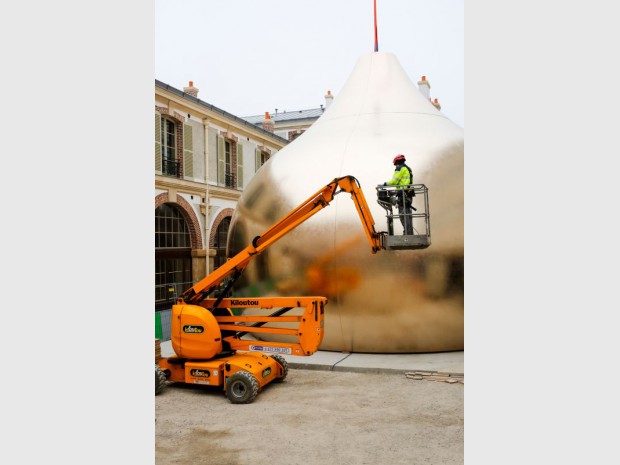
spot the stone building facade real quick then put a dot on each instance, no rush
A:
(204, 157)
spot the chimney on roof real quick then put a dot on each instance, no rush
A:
(268, 124)
(424, 87)
(191, 90)
(436, 104)
(329, 98)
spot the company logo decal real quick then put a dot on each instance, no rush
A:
(266, 372)
(243, 302)
(193, 329)
(198, 373)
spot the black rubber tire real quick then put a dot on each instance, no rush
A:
(241, 387)
(160, 379)
(284, 364)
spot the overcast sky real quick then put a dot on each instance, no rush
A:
(248, 57)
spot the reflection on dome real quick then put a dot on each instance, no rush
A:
(392, 301)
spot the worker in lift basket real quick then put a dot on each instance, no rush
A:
(403, 176)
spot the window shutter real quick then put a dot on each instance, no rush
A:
(158, 143)
(188, 151)
(221, 161)
(239, 166)
(257, 159)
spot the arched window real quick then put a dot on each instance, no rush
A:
(219, 242)
(173, 256)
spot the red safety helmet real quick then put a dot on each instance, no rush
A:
(398, 158)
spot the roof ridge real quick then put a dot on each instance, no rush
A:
(283, 112)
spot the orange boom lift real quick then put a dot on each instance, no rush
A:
(207, 337)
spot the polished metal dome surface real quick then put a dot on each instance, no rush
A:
(405, 301)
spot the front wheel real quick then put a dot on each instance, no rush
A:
(284, 364)
(160, 379)
(241, 388)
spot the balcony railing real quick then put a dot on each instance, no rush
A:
(170, 167)
(229, 180)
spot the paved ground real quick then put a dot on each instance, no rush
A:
(344, 409)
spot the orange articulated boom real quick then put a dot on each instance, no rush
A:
(308, 334)
(316, 202)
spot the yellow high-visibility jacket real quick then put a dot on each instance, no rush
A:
(401, 177)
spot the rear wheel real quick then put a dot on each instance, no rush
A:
(284, 364)
(241, 388)
(160, 379)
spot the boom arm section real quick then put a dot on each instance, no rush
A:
(319, 200)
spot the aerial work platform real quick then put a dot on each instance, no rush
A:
(413, 229)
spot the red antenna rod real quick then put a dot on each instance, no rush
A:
(376, 37)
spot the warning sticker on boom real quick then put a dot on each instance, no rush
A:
(278, 350)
